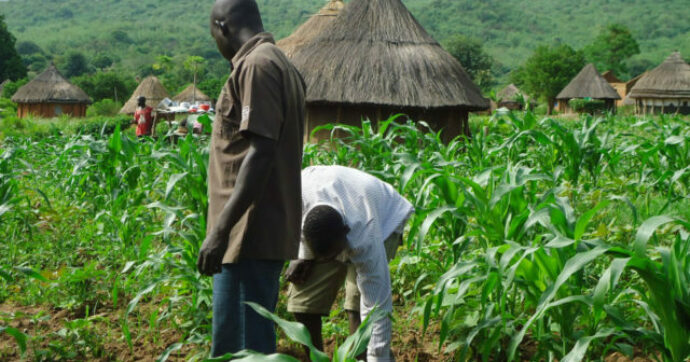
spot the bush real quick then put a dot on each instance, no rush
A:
(11, 87)
(590, 106)
(105, 107)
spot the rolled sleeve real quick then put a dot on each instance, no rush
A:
(261, 94)
(374, 284)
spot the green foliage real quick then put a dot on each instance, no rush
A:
(590, 106)
(74, 65)
(11, 66)
(548, 71)
(104, 107)
(106, 85)
(474, 59)
(612, 48)
(12, 87)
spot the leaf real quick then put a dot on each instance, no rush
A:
(357, 343)
(584, 220)
(172, 181)
(578, 352)
(174, 347)
(32, 274)
(294, 330)
(18, 336)
(646, 230)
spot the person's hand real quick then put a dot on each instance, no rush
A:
(211, 253)
(298, 271)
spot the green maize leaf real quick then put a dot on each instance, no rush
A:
(584, 220)
(357, 343)
(32, 274)
(609, 280)
(168, 351)
(294, 330)
(646, 230)
(251, 356)
(18, 336)
(174, 179)
(578, 352)
(674, 140)
(573, 265)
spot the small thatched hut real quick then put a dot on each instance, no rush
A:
(508, 97)
(375, 60)
(152, 89)
(664, 89)
(50, 95)
(617, 84)
(316, 24)
(588, 84)
(192, 94)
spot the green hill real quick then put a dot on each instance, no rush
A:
(134, 32)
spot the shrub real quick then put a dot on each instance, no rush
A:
(11, 87)
(590, 106)
(105, 107)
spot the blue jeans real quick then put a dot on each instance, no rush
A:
(235, 325)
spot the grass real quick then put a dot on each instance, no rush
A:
(539, 238)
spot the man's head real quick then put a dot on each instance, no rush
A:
(325, 232)
(141, 101)
(233, 22)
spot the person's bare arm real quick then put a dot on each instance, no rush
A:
(251, 181)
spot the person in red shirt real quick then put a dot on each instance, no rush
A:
(143, 118)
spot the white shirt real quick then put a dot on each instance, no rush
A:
(373, 210)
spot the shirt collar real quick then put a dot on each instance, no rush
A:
(250, 45)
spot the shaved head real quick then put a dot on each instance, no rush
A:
(233, 22)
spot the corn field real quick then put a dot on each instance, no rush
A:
(537, 239)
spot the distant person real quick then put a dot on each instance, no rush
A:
(254, 187)
(143, 118)
(352, 227)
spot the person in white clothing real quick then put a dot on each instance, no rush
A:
(352, 226)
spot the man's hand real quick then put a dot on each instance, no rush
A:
(299, 271)
(211, 253)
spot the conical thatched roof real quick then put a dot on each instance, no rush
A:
(671, 79)
(152, 89)
(191, 94)
(509, 93)
(311, 28)
(376, 53)
(50, 87)
(610, 77)
(588, 84)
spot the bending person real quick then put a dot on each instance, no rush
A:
(352, 226)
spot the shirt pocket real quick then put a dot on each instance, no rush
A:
(227, 122)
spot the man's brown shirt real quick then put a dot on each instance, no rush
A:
(264, 96)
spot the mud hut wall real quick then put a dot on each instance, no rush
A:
(622, 91)
(452, 121)
(663, 106)
(49, 110)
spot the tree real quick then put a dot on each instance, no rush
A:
(75, 65)
(106, 85)
(11, 65)
(612, 48)
(548, 71)
(101, 61)
(471, 55)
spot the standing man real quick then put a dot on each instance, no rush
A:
(254, 183)
(353, 224)
(143, 118)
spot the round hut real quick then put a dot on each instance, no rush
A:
(588, 84)
(664, 89)
(375, 60)
(508, 98)
(152, 89)
(316, 24)
(192, 94)
(51, 95)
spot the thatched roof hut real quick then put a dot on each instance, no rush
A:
(374, 60)
(49, 95)
(617, 84)
(152, 89)
(666, 88)
(508, 97)
(588, 84)
(610, 77)
(316, 24)
(192, 94)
